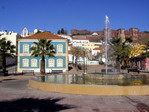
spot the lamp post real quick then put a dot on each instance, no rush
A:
(85, 66)
(84, 60)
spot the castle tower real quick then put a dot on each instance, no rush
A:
(134, 33)
(121, 33)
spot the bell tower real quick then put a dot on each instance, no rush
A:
(25, 32)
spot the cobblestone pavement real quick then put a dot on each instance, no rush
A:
(16, 96)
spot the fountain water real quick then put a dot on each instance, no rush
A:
(107, 33)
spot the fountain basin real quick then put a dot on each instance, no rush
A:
(90, 89)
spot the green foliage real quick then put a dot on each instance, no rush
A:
(144, 40)
(146, 53)
(62, 31)
(43, 48)
(146, 31)
(6, 49)
(121, 50)
(58, 32)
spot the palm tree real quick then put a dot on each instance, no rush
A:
(121, 50)
(6, 50)
(42, 49)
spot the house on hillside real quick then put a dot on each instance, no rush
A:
(97, 50)
(66, 36)
(53, 64)
(78, 42)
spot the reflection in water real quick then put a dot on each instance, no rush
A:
(123, 80)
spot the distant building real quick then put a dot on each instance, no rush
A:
(57, 63)
(11, 36)
(121, 33)
(97, 50)
(25, 32)
(133, 33)
(90, 45)
(66, 37)
(78, 42)
(80, 32)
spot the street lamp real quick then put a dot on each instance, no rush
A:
(84, 60)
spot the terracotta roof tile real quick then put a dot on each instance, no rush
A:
(69, 52)
(43, 35)
(80, 39)
(97, 48)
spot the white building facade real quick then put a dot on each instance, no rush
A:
(79, 42)
(11, 36)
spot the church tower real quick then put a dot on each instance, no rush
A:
(25, 32)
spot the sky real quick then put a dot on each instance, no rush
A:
(52, 15)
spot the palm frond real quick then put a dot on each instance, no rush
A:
(43, 48)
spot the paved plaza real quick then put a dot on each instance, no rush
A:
(16, 96)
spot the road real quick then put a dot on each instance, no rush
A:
(16, 96)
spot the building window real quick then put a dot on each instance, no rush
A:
(59, 63)
(51, 63)
(59, 48)
(25, 62)
(34, 63)
(25, 48)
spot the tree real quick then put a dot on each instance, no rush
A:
(77, 52)
(136, 50)
(145, 54)
(42, 49)
(58, 32)
(146, 31)
(6, 50)
(121, 50)
(62, 31)
(142, 40)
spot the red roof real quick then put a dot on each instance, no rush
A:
(43, 35)
(97, 48)
(79, 39)
(69, 52)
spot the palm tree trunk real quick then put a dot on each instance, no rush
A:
(42, 68)
(118, 64)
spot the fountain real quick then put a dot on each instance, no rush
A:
(104, 83)
(107, 45)
(107, 34)
(90, 85)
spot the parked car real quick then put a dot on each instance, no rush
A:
(101, 62)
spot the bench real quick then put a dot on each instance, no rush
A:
(56, 71)
(133, 70)
(108, 70)
(27, 71)
(2, 73)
